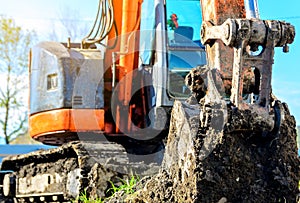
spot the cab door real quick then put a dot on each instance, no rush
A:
(184, 49)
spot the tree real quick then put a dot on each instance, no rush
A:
(14, 49)
(71, 24)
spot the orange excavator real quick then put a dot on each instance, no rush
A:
(108, 100)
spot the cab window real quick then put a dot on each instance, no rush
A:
(185, 51)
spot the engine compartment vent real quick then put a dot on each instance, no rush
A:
(77, 100)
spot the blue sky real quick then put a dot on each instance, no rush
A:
(42, 15)
(286, 68)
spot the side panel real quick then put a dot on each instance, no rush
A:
(46, 77)
(65, 78)
(66, 93)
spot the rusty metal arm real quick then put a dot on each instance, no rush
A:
(255, 31)
(245, 36)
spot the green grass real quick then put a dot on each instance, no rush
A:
(83, 197)
(127, 186)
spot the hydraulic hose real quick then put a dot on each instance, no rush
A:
(102, 25)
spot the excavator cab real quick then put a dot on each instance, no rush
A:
(129, 81)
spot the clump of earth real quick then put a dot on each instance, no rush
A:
(242, 166)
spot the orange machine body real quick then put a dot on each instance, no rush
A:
(57, 113)
(127, 85)
(61, 121)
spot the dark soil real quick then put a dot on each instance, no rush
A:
(244, 166)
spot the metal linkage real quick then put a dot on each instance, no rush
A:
(246, 36)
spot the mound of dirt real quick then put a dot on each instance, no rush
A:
(240, 166)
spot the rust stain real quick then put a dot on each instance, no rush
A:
(219, 55)
(218, 11)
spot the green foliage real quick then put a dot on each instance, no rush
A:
(14, 49)
(127, 185)
(85, 199)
